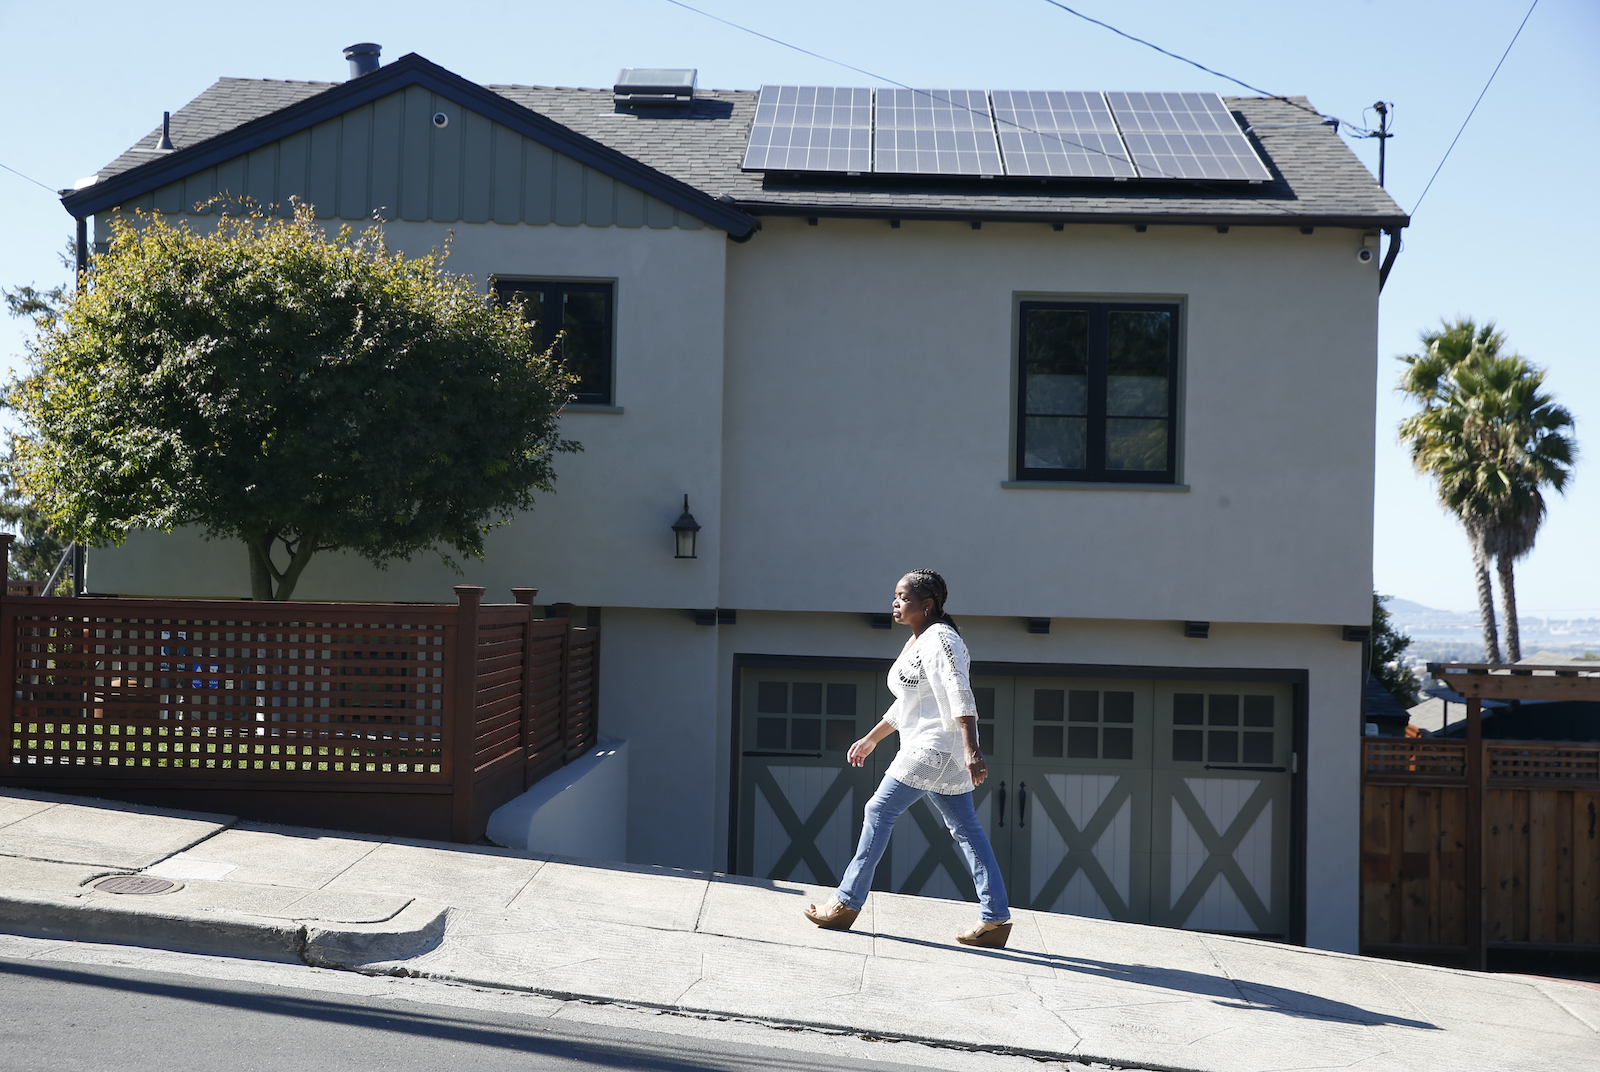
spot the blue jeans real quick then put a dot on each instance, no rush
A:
(894, 797)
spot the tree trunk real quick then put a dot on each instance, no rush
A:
(260, 569)
(1491, 637)
(1508, 597)
(297, 565)
(266, 582)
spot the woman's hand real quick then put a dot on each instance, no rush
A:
(976, 767)
(861, 750)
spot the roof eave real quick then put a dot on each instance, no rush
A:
(1191, 219)
(410, 69)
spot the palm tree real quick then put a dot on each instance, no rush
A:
(1532, 449)
(1493, 440)
(1438, 437)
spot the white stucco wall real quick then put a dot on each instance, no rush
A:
(659, 690)
(869, 409)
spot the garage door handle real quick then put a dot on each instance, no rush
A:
(1000, 802)
(1022, 803)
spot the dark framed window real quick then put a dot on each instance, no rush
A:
(1097, 392)
(580, 314)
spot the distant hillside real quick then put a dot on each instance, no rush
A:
(1441, 631)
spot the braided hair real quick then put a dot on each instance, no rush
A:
(927, 584)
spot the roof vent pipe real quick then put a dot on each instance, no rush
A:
(363, 58)
(165, 144)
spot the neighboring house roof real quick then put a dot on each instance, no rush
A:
(693, 161)
(1381, 704)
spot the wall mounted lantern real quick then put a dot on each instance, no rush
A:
(685, 529)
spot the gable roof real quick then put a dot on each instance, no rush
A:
(236, 116)
(693, 161)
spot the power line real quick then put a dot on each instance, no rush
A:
(30, 178)
(1201, 66)
(1475, 104)
(785, 44)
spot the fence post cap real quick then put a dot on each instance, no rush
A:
(469, 594)
(524, 595)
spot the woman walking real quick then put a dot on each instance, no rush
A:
(939, 758)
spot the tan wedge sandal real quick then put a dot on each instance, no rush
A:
(833, 916)
(988, 935)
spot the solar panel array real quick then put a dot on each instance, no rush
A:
(1047, 134)
(1058, 133)
(1185, 136)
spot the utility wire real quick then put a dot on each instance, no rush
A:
(1228, 77)
(785, 44)
(1475, 104)
(30, 178)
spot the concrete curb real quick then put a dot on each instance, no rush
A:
(415, 930)
(92, 920)
(418, 928)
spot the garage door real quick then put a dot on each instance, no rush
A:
(1152, 802)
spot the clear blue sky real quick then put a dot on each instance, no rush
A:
(1508, 231)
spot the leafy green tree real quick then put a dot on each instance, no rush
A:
(296, 391)
(1388, 645)
(44, 306)
(1493, 440)
(38, 547)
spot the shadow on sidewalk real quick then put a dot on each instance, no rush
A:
(1230, 993)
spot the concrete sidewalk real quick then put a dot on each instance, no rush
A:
(1068, 987)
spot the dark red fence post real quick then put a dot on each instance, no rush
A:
(525, 597)
(463, 719)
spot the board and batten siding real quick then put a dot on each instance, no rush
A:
(387, 157)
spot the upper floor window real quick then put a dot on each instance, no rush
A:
(1097, 392)
(583, 312)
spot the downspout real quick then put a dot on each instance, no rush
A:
(82, 243)
(1388, 258)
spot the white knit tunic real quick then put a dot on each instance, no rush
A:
(931, 688)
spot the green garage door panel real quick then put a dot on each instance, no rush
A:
(1221, 807)
(388, 157)
(800, 802)
(1080, 840)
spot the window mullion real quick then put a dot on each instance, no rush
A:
(1099, 332)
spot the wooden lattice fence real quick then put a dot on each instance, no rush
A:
(415, 719)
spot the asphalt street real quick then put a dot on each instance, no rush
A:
(72, 1007)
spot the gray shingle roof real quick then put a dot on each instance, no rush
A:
(1316, 178)
(229, 103)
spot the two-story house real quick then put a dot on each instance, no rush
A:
(1105, 360)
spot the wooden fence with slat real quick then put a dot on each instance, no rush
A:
(1536, 883)
(416, 719)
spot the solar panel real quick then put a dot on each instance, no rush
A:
(935, 132)
(811, 128)
(1059, 134)
(1184, 136)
